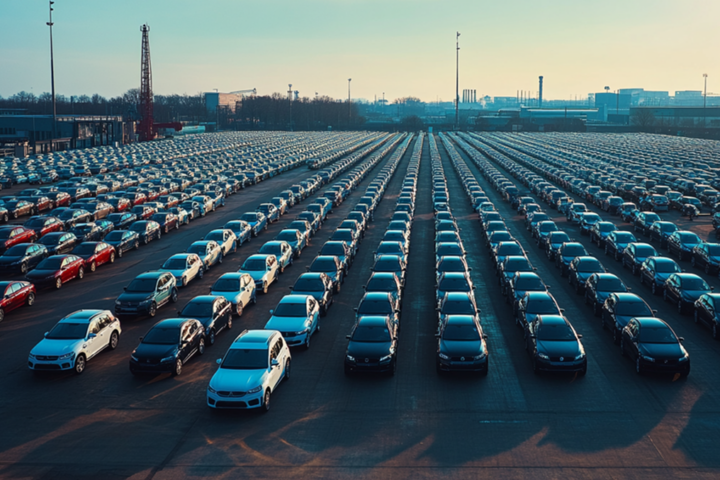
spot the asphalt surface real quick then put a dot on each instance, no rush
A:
(511, 424)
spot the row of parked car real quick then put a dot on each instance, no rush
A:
(626, 314)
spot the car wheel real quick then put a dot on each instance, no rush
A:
(183, 283)
(58, 283)
(634, 269)
(145, 240)
(337, 288)
(287, 369)
(23, 268)
(174, 296)
(211, 337)
(616, 256)
(617, 337)
(80, 364)
(265, 288)
(137, 244)
(159, 236)
(15, 215)
(114, 339)
(30, 300)
(6, 218)
(282, 269)
(307, 341)
(178, 368)
(81, 273)
(266, 401)
(254, 298)
(692, 261)
(112, 257)
(220, 258)
(665, 295)
(584, 370)
(707, 268)
(152, 310)
(2, 314)
(93, 266)
(201, 346)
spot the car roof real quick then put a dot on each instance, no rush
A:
(170, 322)
(628, 297)
(151, 274)
(372, 320)
(456, 296)
(460, 319)
(375, 296)
(81, 316)
(294, 298)
(253, 339)
(651, 322)
(552, 319)
(204, 299)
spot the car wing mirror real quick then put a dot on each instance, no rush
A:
(274, 363)
(579, 335)
(681, 339)
(141, 338)
(219, 361)
(348, 337)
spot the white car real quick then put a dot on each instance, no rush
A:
(262, 268)
(184, 267)
(253, 367)
(209, 252)
(74, 340)
(296, 316)
(225, 238)
(237, 288)
(207, 204)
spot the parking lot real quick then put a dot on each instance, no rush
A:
(107, 423)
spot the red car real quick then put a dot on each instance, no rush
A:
(136, 198)
(15, 295)
(11, 235)
(143, 212)
(120, 204)
(95, 254)
(42, 225)
(56, 270)
(151, 195)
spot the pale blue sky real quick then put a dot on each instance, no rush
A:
(401, 47)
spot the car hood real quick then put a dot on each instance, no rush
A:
(694, 294)
(227, 379)
(5, 260)
(232, 297)
(154, 351)
(552, 348)
(286, 324)
(662, 276)
(315, 295)
(177, 273)
(135, 297)
(256, 275)
(361, 350)
(56, 347)
(455, 348)
(661, 350)
(623, 320)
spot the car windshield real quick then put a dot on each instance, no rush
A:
(175, 264)
(35, 222)
(714, 250)
(199, 249)
(689, 238)
(163, 336)
(375, 307)
(287, 236)
(198, 309)
(560, 238)
(449, 250)
(226, 285)
(389, 248)
(694, 283)
(574, 251)
(323, 265)
(309, 285)
(16, 251)
(381, 285)
(555, 333)
(461, 333)
(272, 248)
(346, 235)
(217, 236)
(454, 285)
(529, 283)
(368, 333)
(142, 285)
(291, 310)
(138, 227)
(610, 284)
(245, 359)
(84, 249)
(633, 309)
(458, 308)
(624, 237)
(335, 249)
(114, 236)
(589, 266)
(657, 335)
(50, 264)
(249, 217)
(68, 331)
(81, 229)
(542, 305)
(667, 267)
(253, 265)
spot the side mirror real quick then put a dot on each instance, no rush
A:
(579, 335)
(437, 335)
(141, 338)
(46, 334)
(348, 337)
(274, 363)
(654, 312)
(355, 309)
(307, 269)
(681, 339)
(179, 313)
(272, 311)
(218, 361)
(712, 288)
(562, 310)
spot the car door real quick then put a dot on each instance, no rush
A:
(275, 371)
(186, 347)
(246, 286)
(634, 334)
(94, 344)
(14, 296)
(223, 312)
(162, 292)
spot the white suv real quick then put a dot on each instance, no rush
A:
(253, 367)
(75, 340)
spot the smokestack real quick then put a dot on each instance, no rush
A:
(540, 93)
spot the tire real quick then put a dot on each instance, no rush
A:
(653, 288)
(58, 283)
(211, 337)
(693, 263)
(30, 300)
(174, 296)
(265, 288)
(178, 368)
(93, 266)
(306, 345)
(159, 235)
(80, 364)
(2, 315)
(24, 268)
(145, 241)
(152, 311)
(617, 336)
(220, 259)
(112, 257)
(287, 370)
(184, 282)
(81, 273)
(634, 269)
(707, 268)
(167, 230)
(137, 244)
(201, 347)
(266, 401)
(114, 339)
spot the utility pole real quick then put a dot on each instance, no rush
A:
(457, 80)
(349, 107)
(705, 75)
(52, 79)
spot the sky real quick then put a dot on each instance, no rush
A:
(399, 47)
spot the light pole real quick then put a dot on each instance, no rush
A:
(52, 78)
(457, 81)
(217, 111)
(383, 104)
(705, 75)
(349, 108)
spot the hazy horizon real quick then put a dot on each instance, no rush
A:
(400, 47)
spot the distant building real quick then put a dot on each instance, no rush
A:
(224, 100)
(613, 101)
(677, 116)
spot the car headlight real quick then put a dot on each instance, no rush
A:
(580, 356)
(255, 390)
(31, 356)
(118, 302)
(443, 356)
(386, 358)
(146, 302)
(211, 389)
(647, 359)
(167, 359)
(350, 358)
(302, 332)
(134, 358)
(479, 357)
(543, 356)
(66, 356)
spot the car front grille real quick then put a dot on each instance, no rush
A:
(469, 358)
(222, 404)
(231, 394)
(46, 358)
(50, 366)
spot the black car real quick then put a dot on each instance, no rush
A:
(580, 270)
(684, 288)
(122, 220)
(87, 232)
(682, 243)
(619, 308)
(22, 257)
(58, 243)
(707, 256)
(520, 284)
(655, 270)
(214, 312)
(372, 346)
(635, 254)
(616, 243)
(462, 346)
(319, 286)
(166, 220)
(566, 253)
(661, 231)
(653, 345)
(168, 346)
(73, 216)
(707, 312)
(147, 230)
(123, 240)
(553, 241)
(554, 346)
(597, 288)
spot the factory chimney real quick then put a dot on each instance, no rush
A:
(540, 94)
